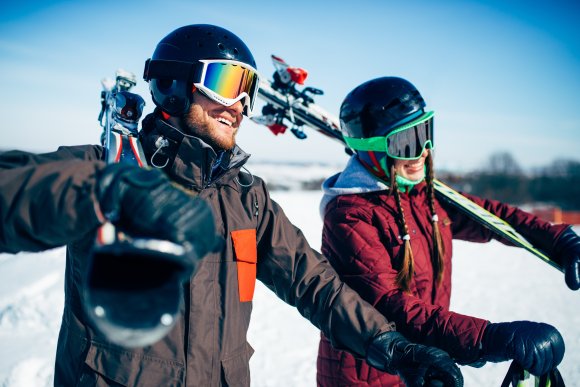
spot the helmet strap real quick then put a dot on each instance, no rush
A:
(379, 169)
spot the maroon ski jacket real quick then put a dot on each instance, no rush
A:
(362, 241)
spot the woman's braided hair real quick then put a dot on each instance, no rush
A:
(403, 279)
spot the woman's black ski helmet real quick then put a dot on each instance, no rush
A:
(376, 106)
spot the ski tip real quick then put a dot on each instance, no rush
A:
(277, 59)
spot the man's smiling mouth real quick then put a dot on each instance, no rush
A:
(224, 121)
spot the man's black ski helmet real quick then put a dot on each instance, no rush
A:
(374, 107)
(174, 65)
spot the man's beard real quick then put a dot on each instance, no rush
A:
(205, 134)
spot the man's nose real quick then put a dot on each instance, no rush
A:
(237, 108)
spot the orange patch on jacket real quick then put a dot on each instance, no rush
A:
(246, 250)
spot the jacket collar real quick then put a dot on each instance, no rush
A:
(356, 179)
(186, 159)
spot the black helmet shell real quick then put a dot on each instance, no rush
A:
(174, 65)
(202, 41)
(372, 108)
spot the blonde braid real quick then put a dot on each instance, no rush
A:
(439, 248)
(405, 274)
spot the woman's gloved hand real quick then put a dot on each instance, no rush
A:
(537, 347)
(567, 246)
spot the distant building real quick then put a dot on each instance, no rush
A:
(556, 215)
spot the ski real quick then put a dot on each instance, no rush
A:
(119, 117)
(284, 102)
(114, 291)
(287, 106)
(491, 221)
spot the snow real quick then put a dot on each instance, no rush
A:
(491, 281)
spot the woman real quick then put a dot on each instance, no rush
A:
(390, 239)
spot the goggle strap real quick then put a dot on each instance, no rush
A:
(371, 144)
(171, 69)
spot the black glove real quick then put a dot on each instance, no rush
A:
(416, 364)
(567, 246)
(537, 347)
(145, 203)
(133, 288)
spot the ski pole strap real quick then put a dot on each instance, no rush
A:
(553, 379)
(514, 376)
(517, 377)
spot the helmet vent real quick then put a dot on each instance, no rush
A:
(235, 51)
(392, 104)
(221, 46)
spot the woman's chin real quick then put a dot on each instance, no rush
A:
(414, 176)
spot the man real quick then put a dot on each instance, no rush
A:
(203, 81)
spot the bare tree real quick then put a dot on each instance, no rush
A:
(503, 163)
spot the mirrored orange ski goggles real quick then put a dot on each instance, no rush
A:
(229, 81)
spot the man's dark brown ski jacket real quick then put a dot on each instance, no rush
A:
(49, 200)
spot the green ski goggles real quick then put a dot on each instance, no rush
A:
(407, 142)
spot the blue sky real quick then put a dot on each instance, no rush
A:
(499, 76)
